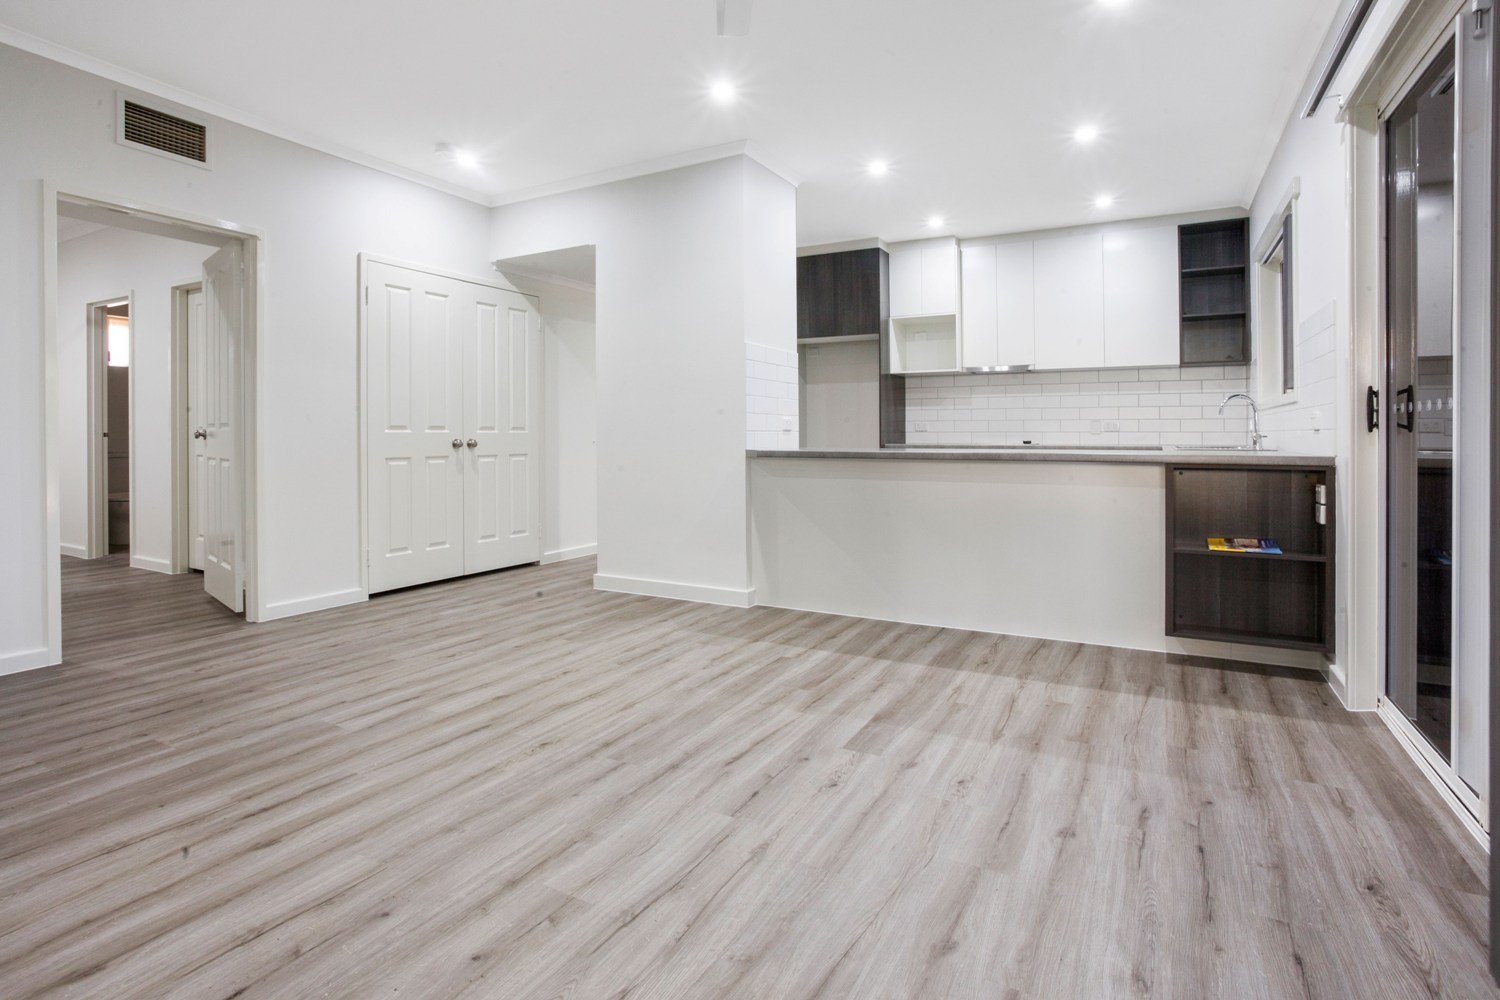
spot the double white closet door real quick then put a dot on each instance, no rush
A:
(453, 398)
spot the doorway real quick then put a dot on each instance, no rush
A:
(169, 437)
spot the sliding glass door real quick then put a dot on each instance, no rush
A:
(1435, 417)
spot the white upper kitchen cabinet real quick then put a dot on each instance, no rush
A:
(1141, 315)
(1069, 291)
(924, 277)
(999, 315)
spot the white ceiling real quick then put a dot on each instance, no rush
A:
(971, 101)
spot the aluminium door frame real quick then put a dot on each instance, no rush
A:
(361, 362)
(1471, 805)
(254, 241)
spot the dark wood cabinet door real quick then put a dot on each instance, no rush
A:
(839, 295)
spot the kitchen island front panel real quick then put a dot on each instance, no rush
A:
(1051, 548)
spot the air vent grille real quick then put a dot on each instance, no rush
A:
(167, 133)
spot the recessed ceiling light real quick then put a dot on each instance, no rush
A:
(1104, 201)
(935, 222)
(462, 157)
(1086, 133)
(878, 168)
(722, 91)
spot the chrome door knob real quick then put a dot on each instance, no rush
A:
(473, 443)
(457, 443)
(200, 433)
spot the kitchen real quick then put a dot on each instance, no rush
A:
(1047, 410)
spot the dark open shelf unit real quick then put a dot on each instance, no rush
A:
(1214, 262)
(1264, 599)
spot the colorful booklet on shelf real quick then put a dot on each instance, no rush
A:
(1244, 545)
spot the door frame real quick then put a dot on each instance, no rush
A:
(361, 357)
(146, 215)
(96, 352)
(181, 427)
(1415, 40)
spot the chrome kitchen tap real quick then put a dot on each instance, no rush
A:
(1256, 437)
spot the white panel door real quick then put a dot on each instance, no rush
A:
(223, 337)
(197, 367)
(415, 443)
(1070, 302)
(981, 347)
(502, 387)
(1141, 315)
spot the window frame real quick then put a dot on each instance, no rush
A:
(1275, 346)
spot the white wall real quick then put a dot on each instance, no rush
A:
(105, 264)
(680, 254)
(1311, 155)
(317, 213)
(570, 485)
(840, 386)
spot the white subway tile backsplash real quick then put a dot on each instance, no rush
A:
(771, 398)
(1131, 406)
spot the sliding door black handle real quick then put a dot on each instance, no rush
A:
(1372, 408)
(1406, 407)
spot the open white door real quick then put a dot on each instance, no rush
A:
(219, 427)
(197, 452)
(502, 373)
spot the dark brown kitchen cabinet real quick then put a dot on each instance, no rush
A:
(842, 294)
(1266, 599)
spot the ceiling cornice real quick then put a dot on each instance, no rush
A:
(148, 85)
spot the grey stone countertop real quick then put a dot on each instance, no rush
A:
(1037, 453)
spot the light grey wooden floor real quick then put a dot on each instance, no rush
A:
(513, 787)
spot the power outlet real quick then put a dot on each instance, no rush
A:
(919, 426)
(1111, 426)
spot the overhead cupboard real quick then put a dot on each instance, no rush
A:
(925, 321)
(1106, 297)
(452, 394)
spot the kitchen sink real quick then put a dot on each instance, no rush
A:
(1218, 447)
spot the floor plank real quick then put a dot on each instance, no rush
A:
(514, 786)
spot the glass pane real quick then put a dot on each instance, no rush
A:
(1420, 225)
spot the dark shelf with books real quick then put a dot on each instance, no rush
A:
(1250, 555)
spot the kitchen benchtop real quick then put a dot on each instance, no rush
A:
(1122, 456)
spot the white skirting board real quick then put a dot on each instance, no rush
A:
(675, 591)
(307, 605)
(26, 659)
(151, 564)
(563, 555)
(76, 551)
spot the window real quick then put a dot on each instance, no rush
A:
(1275, 314)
